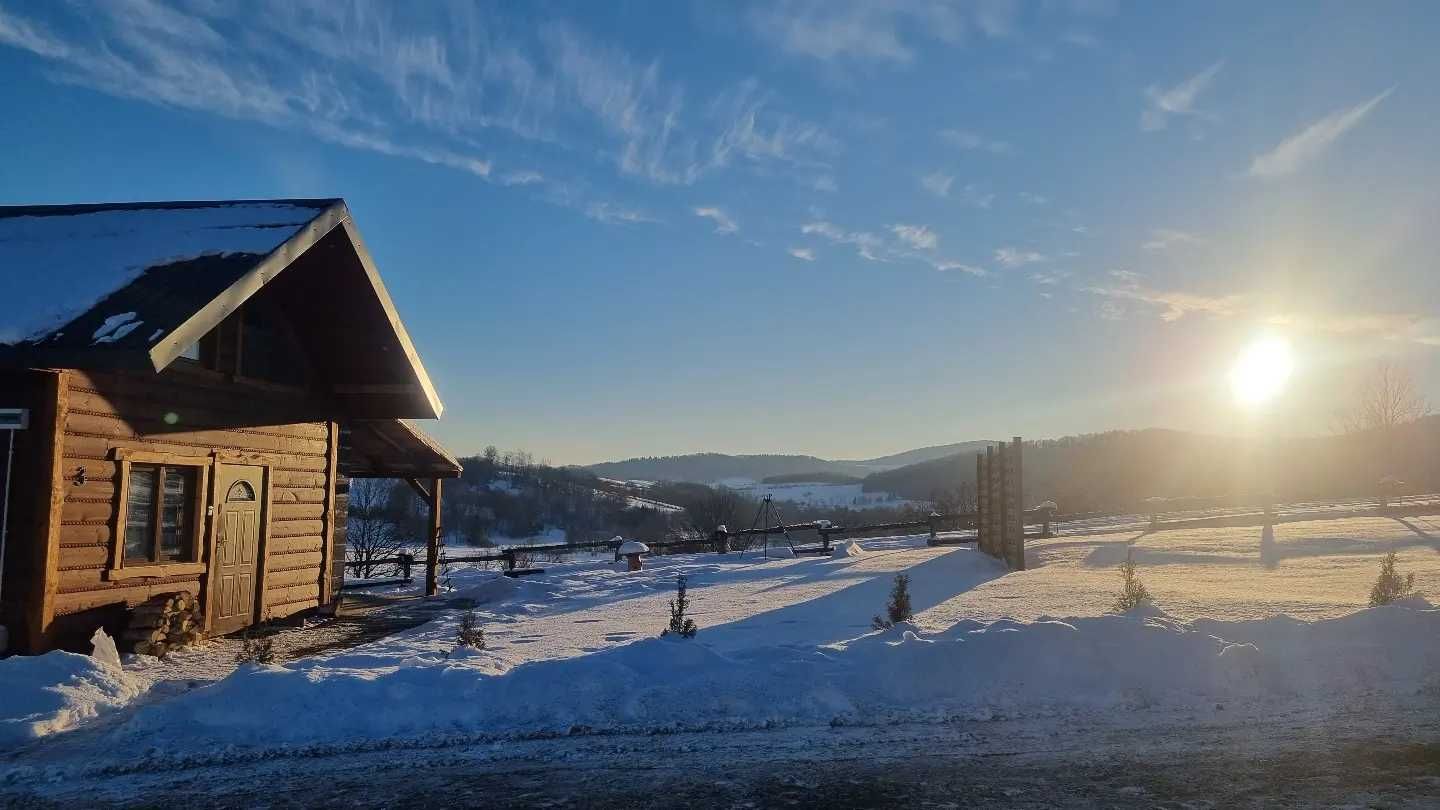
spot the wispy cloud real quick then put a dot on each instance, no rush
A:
(723, 222)
(907, 243)
(943, 185)
(804, 254)
(449, 87)
(863, 31)
(1305, 146)
(521, 178)
(866, 244)
(1051, 278)
(610, 214)
(919, 237)
(1172, 305)
(1163, 103)
(825, 182)
(937, 183)
(1033, 198)
(1016, 257)
(1166, 238)
(945, 265)
(965, 139)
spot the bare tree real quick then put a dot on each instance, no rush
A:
(953, 501)
(369, 535)
(719, 507)
(1386, 399)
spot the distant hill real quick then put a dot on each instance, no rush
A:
(922, 454)
(1117, 470)
(709, 468)
(812, 478)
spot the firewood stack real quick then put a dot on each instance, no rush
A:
(163, 623)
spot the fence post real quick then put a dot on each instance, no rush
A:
(934, 519)
(406, 560)
(994, 523)
(509, 555)
(432, 543)
(1015, 505)
(982, 496)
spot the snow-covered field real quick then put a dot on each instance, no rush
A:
(1249, 624)
(816, 494)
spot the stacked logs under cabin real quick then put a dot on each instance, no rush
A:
(163, 623)
(1000, 516)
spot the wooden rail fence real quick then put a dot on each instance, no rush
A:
(719, 541)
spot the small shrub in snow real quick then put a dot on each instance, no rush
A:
(898, 608)
(255, 649)
(1390, 586)
(1133, 595)
(680, 624)
(471, 634)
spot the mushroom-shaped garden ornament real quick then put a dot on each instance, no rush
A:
(631, 551)
(1047, 510)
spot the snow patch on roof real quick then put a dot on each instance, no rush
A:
(56, 266)
(116, 327)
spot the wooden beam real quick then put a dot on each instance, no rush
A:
(332, 469)
(419, 489)
(56, 394)
(432, 549)
(198, 325)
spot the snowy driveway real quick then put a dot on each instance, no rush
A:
(786, 664)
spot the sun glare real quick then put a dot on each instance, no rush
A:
(1261, 371)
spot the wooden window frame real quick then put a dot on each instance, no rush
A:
(118, 570)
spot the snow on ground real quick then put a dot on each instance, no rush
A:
(815, 494)
(50, 693)
(788, 642)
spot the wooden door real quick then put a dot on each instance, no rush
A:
(234, 573)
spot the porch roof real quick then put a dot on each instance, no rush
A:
(392, 448)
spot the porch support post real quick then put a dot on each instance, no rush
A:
(432, 545)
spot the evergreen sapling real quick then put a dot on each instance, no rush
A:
(471, 634)
(1390, 586)
(898, 608)
(1134, 593)
(680, 624)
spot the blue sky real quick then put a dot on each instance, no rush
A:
(835, 227)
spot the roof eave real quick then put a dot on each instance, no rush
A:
(165, 352)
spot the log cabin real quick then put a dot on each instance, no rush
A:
(186, 390)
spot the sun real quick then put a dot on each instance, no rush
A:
(1261, 371)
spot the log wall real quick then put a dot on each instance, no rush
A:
(189, 412)
(28, 552)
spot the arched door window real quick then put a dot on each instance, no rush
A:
(240, 491)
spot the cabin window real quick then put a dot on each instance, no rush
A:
(161, 518)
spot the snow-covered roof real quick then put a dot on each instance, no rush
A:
(58, 263)
(633, 547)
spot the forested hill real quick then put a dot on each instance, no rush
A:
(1118, 470)
(921, 455)
(708, 468)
